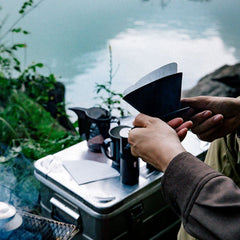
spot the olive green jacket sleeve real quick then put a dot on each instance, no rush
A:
(207, 201)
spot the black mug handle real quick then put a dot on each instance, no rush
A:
(105, 147)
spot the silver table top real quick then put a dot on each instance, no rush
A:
(103, 193)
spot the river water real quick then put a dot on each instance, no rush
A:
(72, 37)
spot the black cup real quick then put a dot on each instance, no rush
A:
(111, 145)
(129, 165)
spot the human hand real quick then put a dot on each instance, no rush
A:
(155, 141)
(216, 117)
(180, 127)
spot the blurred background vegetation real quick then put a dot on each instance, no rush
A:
(33, 121)
(32, 106)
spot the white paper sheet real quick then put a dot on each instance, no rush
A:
(85, 171)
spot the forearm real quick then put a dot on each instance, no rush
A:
(208, 202)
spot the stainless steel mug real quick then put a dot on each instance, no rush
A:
(111, 145)
(129, 165)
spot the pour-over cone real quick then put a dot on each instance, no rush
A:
(157, 98)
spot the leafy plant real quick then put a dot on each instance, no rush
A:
(27, 131)
(24, 95)
(29, 80)
(26, 124)
(9, 63)
(110, 98)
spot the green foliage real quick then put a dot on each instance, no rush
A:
(110, 98)
(9, 63)
(26, 124)
(27, 131)
(36, 85)
(20, 30)
(25, 6)
(27, 80)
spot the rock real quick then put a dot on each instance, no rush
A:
(56, 106)
(225, 82)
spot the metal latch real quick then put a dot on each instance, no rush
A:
(137, 211)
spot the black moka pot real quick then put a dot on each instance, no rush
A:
(94, 124)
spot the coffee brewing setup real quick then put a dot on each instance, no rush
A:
(98, 185)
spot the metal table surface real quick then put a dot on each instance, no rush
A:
(105, 193)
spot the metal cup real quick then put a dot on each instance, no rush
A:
(111, 145)
(129, 165)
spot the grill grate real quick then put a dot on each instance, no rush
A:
(41, 228)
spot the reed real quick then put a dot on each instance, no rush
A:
(9, 127)
(109, 98)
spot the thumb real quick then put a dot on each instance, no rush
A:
(195, 102)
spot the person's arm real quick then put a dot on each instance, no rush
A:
(207, 202)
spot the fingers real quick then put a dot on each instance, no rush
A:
(201, 117)
(182, 133)
(220, 128)
(143, 120)
(210, 134)
(199, 102)
(176, 122)
(183, 129)
(188, 125)
(180, 127)
(211, 123)
(207, 126)
(132, 134)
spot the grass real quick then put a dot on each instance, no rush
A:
(25, 123)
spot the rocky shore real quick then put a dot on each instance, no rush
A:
(225, 81)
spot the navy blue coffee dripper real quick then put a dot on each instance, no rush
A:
(160, 98)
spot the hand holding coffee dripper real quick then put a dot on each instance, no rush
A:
(158, 95)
